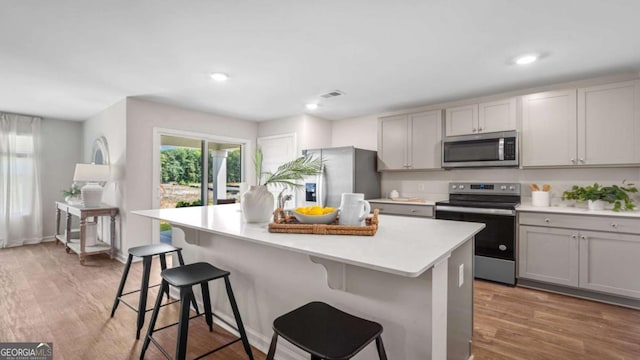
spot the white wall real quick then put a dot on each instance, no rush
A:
(142, 116)
(361, 132)
(111, 123)
(311, 132)
(62, 146)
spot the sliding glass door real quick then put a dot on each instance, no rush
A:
(197, 171)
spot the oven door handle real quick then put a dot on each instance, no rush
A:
(472, 210)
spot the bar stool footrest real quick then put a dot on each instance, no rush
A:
(150, 309)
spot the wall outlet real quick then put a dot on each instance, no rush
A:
(461, 275)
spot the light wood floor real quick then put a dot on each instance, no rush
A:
(45, 295)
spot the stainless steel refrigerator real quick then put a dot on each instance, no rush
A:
(346, 170)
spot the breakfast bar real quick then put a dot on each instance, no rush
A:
(414, 276)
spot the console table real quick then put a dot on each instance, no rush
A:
(84, 213)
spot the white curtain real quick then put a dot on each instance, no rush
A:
(20, 199)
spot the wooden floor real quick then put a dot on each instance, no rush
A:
(46, 296)
(519, 323)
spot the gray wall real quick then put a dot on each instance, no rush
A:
(61, 149)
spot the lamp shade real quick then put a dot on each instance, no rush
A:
(91, 173)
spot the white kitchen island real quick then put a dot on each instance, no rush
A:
(414, 277)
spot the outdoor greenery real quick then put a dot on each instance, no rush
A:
(182, 165)
(614, 194)
(183, 203)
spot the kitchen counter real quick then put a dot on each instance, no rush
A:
(390, 201)
(572, 210)
(405, 277)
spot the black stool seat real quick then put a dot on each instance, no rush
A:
(326, 332)
(146, 252)
(184, 278)
(151, 250)
(192, 274)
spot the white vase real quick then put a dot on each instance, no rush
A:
(596, 204)
(257, 204)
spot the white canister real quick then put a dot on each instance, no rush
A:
(540, 198)
(394, 194)
(353, 209)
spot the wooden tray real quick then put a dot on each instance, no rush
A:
(288, 224)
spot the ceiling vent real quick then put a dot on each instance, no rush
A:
(331, 94)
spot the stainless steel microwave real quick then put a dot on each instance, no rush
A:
(481, 150)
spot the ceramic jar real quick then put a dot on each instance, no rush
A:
(596, 204)
(257, 204)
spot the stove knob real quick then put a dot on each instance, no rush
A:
(503, 187)
(512, 187)
(454, 187)
(461, 187)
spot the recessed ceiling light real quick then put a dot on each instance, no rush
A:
(311, 106)
(219, 77)
(526, 59)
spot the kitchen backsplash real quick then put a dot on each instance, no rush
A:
(433, 185)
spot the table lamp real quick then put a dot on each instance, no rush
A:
(92, 174)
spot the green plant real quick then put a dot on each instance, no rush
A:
(288, 174)
(613, 194)
(72, 191)
(183, 203)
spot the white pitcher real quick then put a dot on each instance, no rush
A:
(353, 209)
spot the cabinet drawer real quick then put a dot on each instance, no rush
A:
(582, 222)
(402, 209)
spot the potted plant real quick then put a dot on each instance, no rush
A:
(597, 195)
(257, 203)
(72, 195)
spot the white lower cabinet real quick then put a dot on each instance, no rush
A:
(610, 263)
(606, 261)
(548, 254)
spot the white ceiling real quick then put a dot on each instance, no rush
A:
(70, 59)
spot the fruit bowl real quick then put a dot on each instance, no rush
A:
(316, 219)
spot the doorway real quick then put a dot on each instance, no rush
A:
(194, 170)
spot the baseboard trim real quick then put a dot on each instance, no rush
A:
(580, 293)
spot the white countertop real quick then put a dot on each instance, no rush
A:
(573, 210)
(403, 245)
(389, 201)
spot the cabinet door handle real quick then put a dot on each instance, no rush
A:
(573, 161)
(474, 130)
(547, 220)
(413, 210)
(582, 237)
(479, 129)
(581, 160)
(614, 225)
(574, 236)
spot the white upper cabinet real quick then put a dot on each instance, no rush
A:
(549, 124)
(591, 126)
(486, 117)
(497, 115)
(609, 124)
(426, 140)
(461, 120)
(410, 142)
(392, 148)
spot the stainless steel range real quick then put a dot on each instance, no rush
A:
(494, 205)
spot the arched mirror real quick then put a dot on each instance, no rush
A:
(100, 154)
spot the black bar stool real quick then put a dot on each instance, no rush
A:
(184, 278)
(326, 332)
(146, 252)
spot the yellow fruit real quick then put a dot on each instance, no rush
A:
(315, 210)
